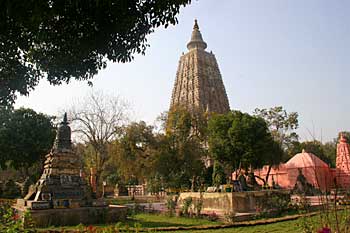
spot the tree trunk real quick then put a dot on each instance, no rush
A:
(268, 174)
(263, 180)
(193, 183)
(98, 192)
(239, 170)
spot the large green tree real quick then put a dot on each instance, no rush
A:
(25, 136)
(133, 152)
(239, 140)
(64, 39)
(282, 124)
(179, 158)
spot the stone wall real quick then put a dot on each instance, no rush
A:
(70, 217)
(242, 202)
(212, 202)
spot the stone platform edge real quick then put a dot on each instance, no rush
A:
(73, 216)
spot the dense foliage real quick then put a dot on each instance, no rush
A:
(240, 140)
(133, 152)
(72, 39)
(179, 157)
(282, 125)
(173, 158)
(25, 137)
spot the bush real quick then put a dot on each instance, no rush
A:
(187, 202)
(171, 205)
(135, 209)
(11, 221)
(198, 205)
(273, 204)
(11, 190)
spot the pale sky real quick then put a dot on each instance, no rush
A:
(293, 53)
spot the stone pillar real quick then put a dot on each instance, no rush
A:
(343, 163)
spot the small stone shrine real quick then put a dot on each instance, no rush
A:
(61, 196)
(60, 184)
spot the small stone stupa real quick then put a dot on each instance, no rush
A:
(60, 185)
(61, 196)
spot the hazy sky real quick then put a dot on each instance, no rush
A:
(293, 53)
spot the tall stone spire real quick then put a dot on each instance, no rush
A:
(198, 84)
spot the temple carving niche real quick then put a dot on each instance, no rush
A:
(198, 84)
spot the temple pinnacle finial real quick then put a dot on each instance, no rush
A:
(196, 41)
(195, 25)
(65, 118)
(342, 138)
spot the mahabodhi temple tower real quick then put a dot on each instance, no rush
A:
(198, 84)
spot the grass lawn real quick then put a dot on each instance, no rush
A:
(161, 221)
(155, 220)
(149, 221)
(280, 227)
(152, 221)
(313, 223)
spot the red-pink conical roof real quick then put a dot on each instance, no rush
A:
(305, 159)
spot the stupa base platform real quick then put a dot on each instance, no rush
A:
(72, 216)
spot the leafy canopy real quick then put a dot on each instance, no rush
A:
(25, 136)
(282, 125)
(179, 156)
(133, 151)
(238, 139)
(66, 39)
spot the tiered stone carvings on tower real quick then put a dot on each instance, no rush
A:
(198, 84)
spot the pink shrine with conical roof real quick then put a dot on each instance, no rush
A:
(316, 171)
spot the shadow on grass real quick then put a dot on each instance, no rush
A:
(143, 221)
(156, 221)
(153, 224)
